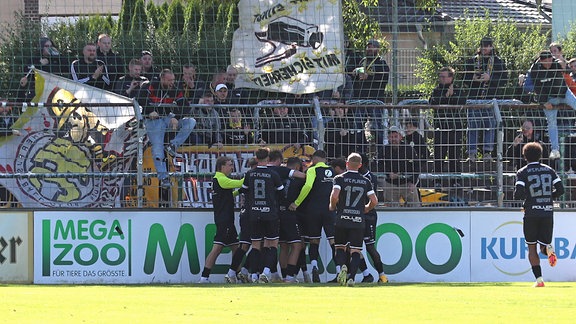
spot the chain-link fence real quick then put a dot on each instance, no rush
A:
(166, 87)
(73, 155)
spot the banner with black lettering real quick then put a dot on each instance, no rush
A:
(291, 46)
(57, 151)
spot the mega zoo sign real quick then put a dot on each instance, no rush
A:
(170, 247)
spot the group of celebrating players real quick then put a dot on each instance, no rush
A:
(284, 207)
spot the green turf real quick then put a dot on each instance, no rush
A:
(435, 302)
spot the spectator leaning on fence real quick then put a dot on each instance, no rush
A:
(526, 134)
(208, 125)
(551, 90)
(400, 179)
(236, 130)
(448, 122)
(163, 111)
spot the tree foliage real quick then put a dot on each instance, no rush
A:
(517, 47)
(358, 26)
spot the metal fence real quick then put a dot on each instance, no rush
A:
(71, 160)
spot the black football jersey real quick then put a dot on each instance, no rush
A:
(538, 184)
(354, 192)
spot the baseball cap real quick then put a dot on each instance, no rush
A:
(221, 86)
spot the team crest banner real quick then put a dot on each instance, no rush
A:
(64, 139)
(291, 46)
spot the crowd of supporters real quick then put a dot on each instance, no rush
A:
(180, 109)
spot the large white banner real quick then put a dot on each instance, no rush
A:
(291, 46)
(63, 138)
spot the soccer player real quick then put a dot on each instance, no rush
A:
(538, 184)
(286, 220)
(262, 186)
(349, 193)
(316, 191)
(223, 201)
(236, 272)
(370, 221)
(290, 235)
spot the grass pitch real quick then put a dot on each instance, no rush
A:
(273, 303)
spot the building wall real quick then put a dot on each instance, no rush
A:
(82, 7)
(8, 9)
(564, 12)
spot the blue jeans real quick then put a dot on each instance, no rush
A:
(156, 129)
(552, 117)
(481, 119)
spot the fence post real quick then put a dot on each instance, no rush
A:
(320, 125)
(140, 155)
(499, 153)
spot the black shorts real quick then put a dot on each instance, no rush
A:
(290, 227)
(314, 222)
(370, 230)
(538, 230)
(348, 236)
(245, 233)
(264, 229)
(226, 234)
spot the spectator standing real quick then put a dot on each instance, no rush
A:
(343, 134)
(448, 125)
(538, 185)
(90, 70)
(113, 61)
(371, 75)
(130, 84)
(282, 127)
(49, 59)
(149, 70)
(352, 197)
(401, 171)
(370, 81)
(485, 75)
(191, 87)
(162, 112)
(231, 75)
